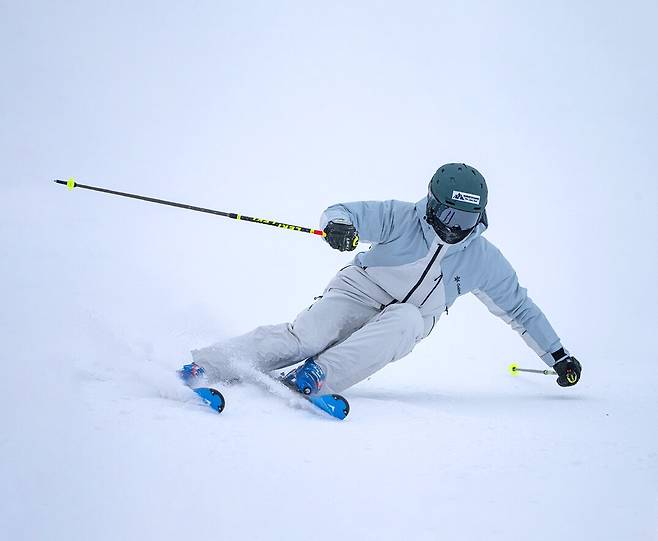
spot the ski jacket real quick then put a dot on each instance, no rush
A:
(407, 262)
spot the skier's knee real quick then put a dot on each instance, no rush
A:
(309, 342)
(409, 318)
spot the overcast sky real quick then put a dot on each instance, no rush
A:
(279, 109)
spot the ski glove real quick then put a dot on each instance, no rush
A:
(341, 236)
(568, 369)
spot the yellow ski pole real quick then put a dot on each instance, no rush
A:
(70, 183)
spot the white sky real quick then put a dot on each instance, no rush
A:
(278, 109)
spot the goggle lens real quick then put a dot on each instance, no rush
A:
(451, 217)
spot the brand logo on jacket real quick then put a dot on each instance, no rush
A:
(458, 280)
(466, 197)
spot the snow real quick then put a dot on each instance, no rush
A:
(278, 111)
(124, 450)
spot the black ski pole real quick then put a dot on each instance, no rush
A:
(234, 215)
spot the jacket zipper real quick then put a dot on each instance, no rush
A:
(432, 291)
(422, 277)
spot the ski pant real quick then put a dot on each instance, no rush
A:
(349, 330)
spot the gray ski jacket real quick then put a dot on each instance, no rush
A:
(407, 262)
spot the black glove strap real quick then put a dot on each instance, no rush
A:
(559, 354)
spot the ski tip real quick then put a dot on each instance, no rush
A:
(333, 404)
(345, 404)
(212, 397)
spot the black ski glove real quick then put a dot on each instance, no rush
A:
(341, 236)
(568, 369)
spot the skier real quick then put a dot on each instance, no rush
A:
(374, 311)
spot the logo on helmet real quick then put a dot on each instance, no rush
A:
(466, 197)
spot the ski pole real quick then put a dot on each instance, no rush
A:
(514, 370)
(70, 183)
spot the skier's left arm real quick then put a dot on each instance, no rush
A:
(502, 294)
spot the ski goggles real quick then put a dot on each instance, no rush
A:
(451, 217)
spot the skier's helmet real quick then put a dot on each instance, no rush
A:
(456, 200)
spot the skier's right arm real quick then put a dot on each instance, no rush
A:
(373, 220)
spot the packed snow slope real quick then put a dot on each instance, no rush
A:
(277, 110)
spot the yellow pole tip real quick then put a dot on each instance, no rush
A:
(512, 368)
(70, 184)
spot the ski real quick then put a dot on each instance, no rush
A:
(334, 404)
(211, 397)
(191, 373)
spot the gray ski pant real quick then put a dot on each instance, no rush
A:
(348, 330)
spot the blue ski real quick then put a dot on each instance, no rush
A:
(193, 373)
(334, 404)
(212, 397)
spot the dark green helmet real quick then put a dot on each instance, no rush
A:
(456, 201)
(460, 186)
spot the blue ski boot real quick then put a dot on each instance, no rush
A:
(307, 378)
(191, 373)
